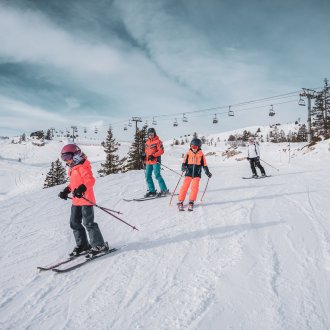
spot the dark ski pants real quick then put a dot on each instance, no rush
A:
(85, 214)
(254, 162)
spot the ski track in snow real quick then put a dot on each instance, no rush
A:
(255, 254)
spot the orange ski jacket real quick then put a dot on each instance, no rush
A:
(82, 174)
(194, 163)
(155, 148)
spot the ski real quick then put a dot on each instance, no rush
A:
(259, 177)
(84, 262)
(60, 262)
(142, 199)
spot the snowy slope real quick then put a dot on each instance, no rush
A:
(255, 254)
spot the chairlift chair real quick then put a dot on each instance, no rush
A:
(85, 130)
(96, 130)
(125, 128)
(215, 119)
(154, 122)
(184, 118)
(230, 112)
(129, 123)
(271, 111)
(301, 102)
(175, 124)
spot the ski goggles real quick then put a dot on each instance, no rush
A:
(67, 156)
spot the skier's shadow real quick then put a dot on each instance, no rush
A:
(245, 187)
(254, 198)
(215, 232)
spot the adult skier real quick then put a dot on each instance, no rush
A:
(253, 156)
(152, 158)
(192, 165)
(81, 185)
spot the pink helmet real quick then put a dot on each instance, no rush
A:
(69, 151)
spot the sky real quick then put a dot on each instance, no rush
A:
(92, 64)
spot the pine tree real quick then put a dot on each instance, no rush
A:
(134, 160)
(50, 180)
(321, 112)
(48, 135)
(112, 163)
(302, 134)
(56, 175)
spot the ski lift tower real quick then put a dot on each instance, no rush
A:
(310, 94)
(137, 120)
(74, 130)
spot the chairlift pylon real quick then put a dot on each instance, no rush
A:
(215, 119)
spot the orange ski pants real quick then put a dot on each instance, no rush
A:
(185, 186)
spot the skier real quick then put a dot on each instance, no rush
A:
(192, 164)
(254, 157)
(152, 158)
(81, 184)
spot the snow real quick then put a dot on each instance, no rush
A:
(255, 254)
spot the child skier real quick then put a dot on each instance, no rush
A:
(192, 164)
(254, 158)
(81, 185)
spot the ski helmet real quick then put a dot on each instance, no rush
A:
(196, 142)
(151, 130)
(69, 151)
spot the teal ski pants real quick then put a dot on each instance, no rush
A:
(156, 169)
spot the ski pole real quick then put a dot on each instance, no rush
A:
(205, 189)
(270, 165)
(176, 187)
(106, 211)
(101, 207)
(169, 168)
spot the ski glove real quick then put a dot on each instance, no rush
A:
(258, 158)
(207, 172)
(183, 167)
(64, 194)
(143, 157)
(248, 158)
(151, 157)
(78, 192)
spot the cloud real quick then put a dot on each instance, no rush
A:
(29, 36)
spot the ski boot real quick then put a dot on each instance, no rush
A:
(191, 206)
(95, 250)
(150, 194)
(163, 193)
(180, 206)
(255, 176)
(80, 249)
(263, 174)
